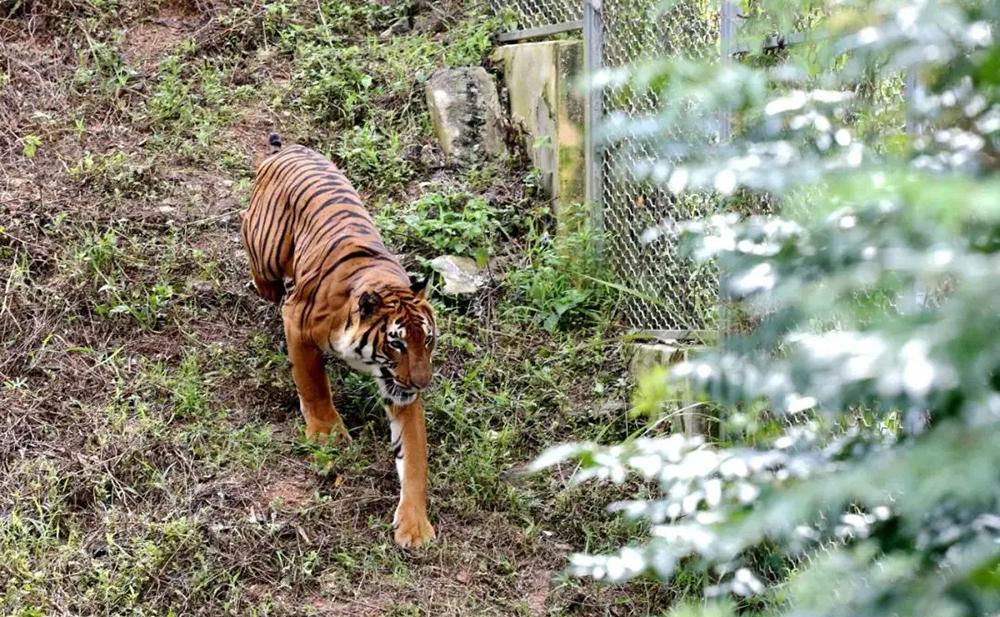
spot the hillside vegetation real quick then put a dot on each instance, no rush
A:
(152, 458)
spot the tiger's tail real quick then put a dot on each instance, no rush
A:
(275, 142)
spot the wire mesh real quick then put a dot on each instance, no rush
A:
(671, 293)
(539, 13)
(686, 294)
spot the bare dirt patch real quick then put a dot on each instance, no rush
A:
(155, 36)
(288, 493)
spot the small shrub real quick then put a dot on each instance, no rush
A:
(437, 223)
(30, 145)
(560, 286)
(190, 104)
(101, 69)
(469, 43)
(373, 160)
(98, 255)
(146, 304)
(335, 86)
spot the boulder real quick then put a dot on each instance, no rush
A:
(461, 275)
(400, 26)
(465, 112)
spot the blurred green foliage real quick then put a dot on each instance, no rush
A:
(875, 349)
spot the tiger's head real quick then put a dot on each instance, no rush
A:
(396, 339)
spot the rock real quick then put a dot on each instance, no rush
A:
(461, 275)
(430, 157)
(411, 154)
(610, 407)
(428, 24)
(202, 288)
(399, 26)
(465, 112)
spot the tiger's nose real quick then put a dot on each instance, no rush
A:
(420, 379)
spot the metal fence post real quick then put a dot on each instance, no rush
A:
(912, 93)
(593, 36)
(727, 32)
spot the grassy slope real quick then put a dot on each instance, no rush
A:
(151, 451)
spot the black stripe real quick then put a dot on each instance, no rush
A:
(318, 274)
(331, 223)
(266, 208)
(364, 337)
(297, 190)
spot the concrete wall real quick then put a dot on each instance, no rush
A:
(546, 104)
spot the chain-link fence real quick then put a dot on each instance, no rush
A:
(686, 293)
(618, 33)
(672, 296)
(532, 14)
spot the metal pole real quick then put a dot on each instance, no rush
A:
(913, 92)
(540, 32)
(727, 32)
(727, 36)
(593, 37)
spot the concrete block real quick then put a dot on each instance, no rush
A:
(541, 80)
(689, 417)
(645, 356)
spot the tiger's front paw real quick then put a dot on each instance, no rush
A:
(412, 527)
(333, 433)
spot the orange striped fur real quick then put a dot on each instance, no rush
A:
(350, 298)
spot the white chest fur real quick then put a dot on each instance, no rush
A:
(361, 360)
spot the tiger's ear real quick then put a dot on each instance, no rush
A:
(369, 302)
(419, 287)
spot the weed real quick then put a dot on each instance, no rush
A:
(335, 87)
(98, 255)
(469, 43)
(436, 223)
(30, 145)
(147, 305)
(114, 173)
(101, 69)
(190, 104)
(330, 460)
(106, 265)
(404, 610)
(558, 284)
(373, 160)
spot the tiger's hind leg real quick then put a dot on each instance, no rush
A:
(309, 374)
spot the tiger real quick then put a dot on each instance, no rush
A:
(313, 249)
